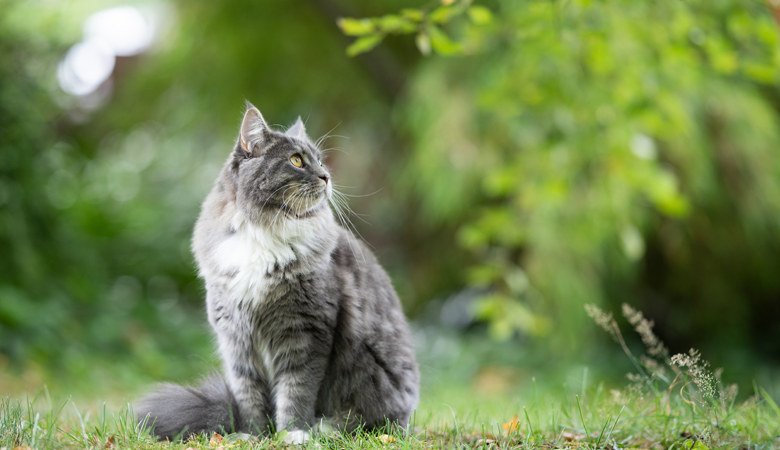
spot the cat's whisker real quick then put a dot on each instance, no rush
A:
(344, 224)
(339, 205)
(364, 195)
(326, 135)
(294, 203)
(288, 185)
(325, 151)
(281, 208)
(349, 210)
(286, 205)
(354, 229)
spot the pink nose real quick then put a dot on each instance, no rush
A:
(325, 177)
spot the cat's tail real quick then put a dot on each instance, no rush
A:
(173, 411)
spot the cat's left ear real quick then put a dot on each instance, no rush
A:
(254, 131)
(297, 130)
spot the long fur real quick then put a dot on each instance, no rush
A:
(171, 411)
(308, 325)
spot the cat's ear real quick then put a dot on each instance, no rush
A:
(254, 131)
(297, 130)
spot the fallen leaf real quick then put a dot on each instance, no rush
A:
(572, 436)
(216, 439)
(110, 443)
(512, 425)
(386, 439)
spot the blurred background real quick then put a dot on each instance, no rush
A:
(510, 162)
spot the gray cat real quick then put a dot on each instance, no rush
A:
(309, 328)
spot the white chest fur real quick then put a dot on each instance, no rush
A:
(252, 254)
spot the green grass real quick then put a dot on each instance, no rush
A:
(669, 403)
(587, 417)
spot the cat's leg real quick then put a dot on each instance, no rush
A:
(247, 383)
(297, 382)
(243, 370)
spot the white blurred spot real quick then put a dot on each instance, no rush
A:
(643, 147)
(633, 243)
(86, 66)
(119, 31)
(123, 28)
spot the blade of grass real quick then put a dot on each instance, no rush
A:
(769, 401)
(601, 433)
(615, 424)
(528, 422)
(582, 418)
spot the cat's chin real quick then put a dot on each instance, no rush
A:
(321, 204)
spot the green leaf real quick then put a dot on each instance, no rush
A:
(442, 43)
(356, 27)
(413, 14)
(279, 438)
(443, 14)
(697, 445)
(480, 15)
(364, 44)
(761, 72)
(392, 23)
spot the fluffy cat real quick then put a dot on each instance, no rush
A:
(308, 325)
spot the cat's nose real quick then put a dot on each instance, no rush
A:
(325, 178)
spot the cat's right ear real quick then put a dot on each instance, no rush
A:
(254, 131)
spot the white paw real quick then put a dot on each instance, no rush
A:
(297, 437)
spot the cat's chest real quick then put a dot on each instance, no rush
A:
(254, 264)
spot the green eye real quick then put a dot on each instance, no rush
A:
(319, 162)
(296, 161)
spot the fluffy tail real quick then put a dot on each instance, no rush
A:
(180, 411)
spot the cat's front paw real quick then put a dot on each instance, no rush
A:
(297, 437)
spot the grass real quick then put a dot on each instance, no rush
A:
(590, 418)
(671, 402)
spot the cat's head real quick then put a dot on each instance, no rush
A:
(277, 175)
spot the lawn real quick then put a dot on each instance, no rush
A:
(667, 402)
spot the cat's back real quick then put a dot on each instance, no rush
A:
(370, 309)
(373, 372)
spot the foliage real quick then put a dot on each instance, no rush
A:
(78, 228)
(547, 153)
(98, 206)
(599, 150)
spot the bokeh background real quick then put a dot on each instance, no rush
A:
(509, 161)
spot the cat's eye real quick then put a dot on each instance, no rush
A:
(319, 162)
(296, 161)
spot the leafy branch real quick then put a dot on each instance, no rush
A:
(425, 23)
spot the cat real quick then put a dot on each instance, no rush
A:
(308, 325)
